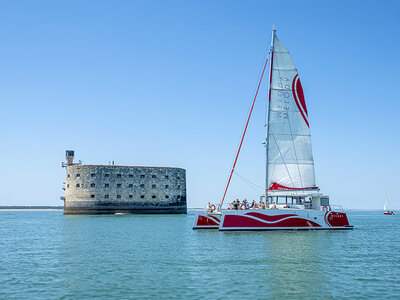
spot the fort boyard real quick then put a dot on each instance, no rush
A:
(111, 189)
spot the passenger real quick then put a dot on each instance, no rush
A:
(261, 205)
(253, 205)
(208, 206)
(273, 206)
(230, 206)
(236, 204)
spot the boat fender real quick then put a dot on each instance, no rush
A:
(243, 206)
(212, 208)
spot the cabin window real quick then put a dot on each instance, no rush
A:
(107, 185)
(118, 175)
(67, 185)
(78, 185)
(92, 196)
(68, 176)
(131, 185)
(106, 196)
(92, 175)
(153, 186)
(92, 185)
(118, 185)
(118, 196)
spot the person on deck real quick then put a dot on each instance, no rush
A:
(253, 205)
(236, 204)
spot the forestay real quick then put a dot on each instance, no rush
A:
(290, 160)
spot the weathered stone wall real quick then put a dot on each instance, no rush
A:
(108, 189)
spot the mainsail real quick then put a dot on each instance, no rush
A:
(290, 164)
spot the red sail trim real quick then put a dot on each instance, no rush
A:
(278, 187)
(301, 106)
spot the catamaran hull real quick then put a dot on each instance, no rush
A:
(270, 219)
(289, 219)
(204, 220)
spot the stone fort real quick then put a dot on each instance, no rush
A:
(110, 189)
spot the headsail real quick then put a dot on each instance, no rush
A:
(290, 161)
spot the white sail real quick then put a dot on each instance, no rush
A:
(290, 160)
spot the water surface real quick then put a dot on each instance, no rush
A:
(46, 255)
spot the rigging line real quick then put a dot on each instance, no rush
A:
(244, 132)
(253, 185)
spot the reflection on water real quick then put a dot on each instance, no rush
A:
(48, 255)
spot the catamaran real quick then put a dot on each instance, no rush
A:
(293, 201)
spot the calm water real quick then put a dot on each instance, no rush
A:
(45, 255)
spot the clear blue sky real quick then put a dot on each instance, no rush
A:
(170, 83)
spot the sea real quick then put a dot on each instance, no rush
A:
(46, 255)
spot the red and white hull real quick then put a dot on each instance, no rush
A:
(283, 219)
(272, 219)
(204, 220)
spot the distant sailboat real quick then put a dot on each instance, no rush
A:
(386, 211)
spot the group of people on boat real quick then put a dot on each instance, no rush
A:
(243, 205)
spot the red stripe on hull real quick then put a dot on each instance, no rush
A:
(204, 221)
(246, 222)
(337, 219)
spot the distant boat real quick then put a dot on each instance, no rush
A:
(386, 211)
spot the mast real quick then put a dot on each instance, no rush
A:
(268, 115)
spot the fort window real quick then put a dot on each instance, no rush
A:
(92, 196)
(118, 175)
(166, 186)
(130, 176)
(166, 196)
(106, 175)
(178, 178)
(153, 186)
(107, 185)
(106, 196)
(130, 196)
(142, 185)
(92, 175)
(154, 196)
(141, 176)
(166, 176)
(78, 185)
(118, 196)
(92, 185)
(179, 186)
(153, 176)
(118, 185)
(142, 196)
(78, 175)
(131, 185)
